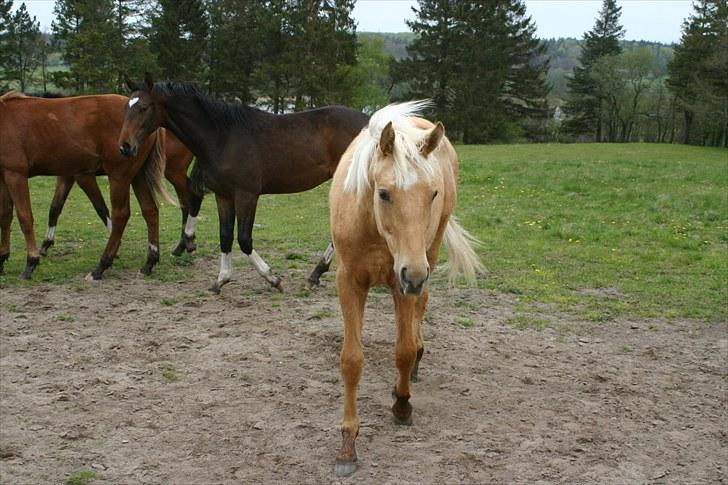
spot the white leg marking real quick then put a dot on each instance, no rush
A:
(108, 223)
(153, 247)
(190, 226)
(329, 253)
(259, 264)
(226, 267)
(51, 233)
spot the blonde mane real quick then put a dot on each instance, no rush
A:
(407, 156)
(11, 95)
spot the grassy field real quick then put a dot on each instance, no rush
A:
(598, 231)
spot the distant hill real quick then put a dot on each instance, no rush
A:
(563, 54)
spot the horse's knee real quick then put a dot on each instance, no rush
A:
(351, 366)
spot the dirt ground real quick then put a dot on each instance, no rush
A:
(163, 383)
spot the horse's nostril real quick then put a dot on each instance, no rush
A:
(403, 273)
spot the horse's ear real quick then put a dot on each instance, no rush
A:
(129, 83)
(433, 139)
(148, 81)
(386, 140)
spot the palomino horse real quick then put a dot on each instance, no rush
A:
(242, 152)
(391, 203)
(178, 159)
(68, 136)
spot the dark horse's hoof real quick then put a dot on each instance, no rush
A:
(277, 284)
(30, 265)
(45, 246)
(313, 283)
(179, 249)
(3, 258)
(401, 410)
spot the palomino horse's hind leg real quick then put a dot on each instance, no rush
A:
(17, 185)
(150, 212)
(6, 218)
(322, 267)
(405, 309)
(245, 204)
(352, 297)
(226, 215)
(419, 314)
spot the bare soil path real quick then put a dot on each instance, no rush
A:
(162, 383)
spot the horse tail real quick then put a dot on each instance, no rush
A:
(154, 167)
(462, 259)
(197, 183)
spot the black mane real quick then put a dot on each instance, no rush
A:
(45, 94)
(221, 113)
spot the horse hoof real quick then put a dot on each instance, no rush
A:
(191, 247)
(146, 271)
(402, 421)
(414, 377)
(313, 283)
(178, 250)
(45, 246)
(344, 468)
(26, 275)
(215, 288)
(91, 277)
(278, 284)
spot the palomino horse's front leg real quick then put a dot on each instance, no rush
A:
(352, 298)
(150, 212)
(405, 309)
(322, 267)
(119, 188)
(245, 205)
(6, 218)
(226, 215)
(17, 186)
(419, 315)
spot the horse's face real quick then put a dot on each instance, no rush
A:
(142, 116)
(408, 215)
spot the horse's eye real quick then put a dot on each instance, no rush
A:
(384, 195)
(434, 195)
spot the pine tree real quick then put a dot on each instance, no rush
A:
(5, 48)
(179, 39)
(24, 42)
(698, 73)
(132, 56)
(481, 65)
(85, 29)
(584, 104)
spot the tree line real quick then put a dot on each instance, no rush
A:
(480, 62)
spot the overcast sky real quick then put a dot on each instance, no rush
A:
(657, 20)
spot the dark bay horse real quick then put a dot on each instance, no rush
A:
(242, 153)
(178, 159)
(70, 136)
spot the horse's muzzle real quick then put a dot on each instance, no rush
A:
(413, 282)
(127, 150)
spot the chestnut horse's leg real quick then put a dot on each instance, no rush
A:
(245, 205)
(17, 185)
(405, 310)
(322, 266)
(150, 212)
(119, 217)
(226, 215)
(352, 297)
(63, 187)
(419, 314)
(6, 218)
(91, 189)
(180, 183)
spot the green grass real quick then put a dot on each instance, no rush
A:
(598, 231)
(81, 477)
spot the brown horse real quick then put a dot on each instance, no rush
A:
(391, 203)
(68, 136)
(178, 159)
(242, 152)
